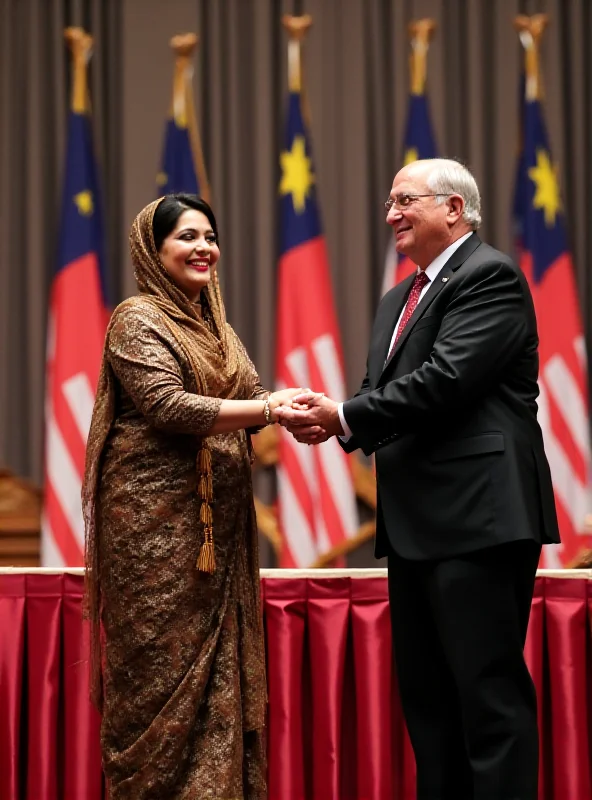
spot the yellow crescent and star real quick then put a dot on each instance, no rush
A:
(84, 203)
(411, 155)
(297, 174)
(546, 193)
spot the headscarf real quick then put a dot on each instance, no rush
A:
(200, 342)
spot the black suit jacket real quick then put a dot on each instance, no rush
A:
(452, 416)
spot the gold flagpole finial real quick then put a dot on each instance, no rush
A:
(420, 33)
(183, 46)
(297, 28)
(80, 44)
(530, 31)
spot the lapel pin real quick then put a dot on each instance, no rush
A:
(444, 280)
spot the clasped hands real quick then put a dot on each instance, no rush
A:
(309, 416)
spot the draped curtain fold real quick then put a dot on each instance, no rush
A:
(356, 71)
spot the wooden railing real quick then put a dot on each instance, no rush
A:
(20, 521)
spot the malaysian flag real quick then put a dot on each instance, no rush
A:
(316, 498)
(418, 142)
(76, 329)
(563, 400)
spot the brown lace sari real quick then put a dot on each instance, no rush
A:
(178, 670)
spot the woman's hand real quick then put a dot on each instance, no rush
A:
(282, 398)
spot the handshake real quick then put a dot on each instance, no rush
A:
(309, 416)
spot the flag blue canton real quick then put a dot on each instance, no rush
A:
(537, 196)
(81, 222)
(298, 225)
(178, 172)
(418, 133)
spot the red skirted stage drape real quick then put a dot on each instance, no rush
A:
(335, 726)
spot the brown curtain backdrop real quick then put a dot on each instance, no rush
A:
(356, 61)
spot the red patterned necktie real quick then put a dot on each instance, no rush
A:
(421, 280)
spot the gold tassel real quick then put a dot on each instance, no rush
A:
(205, 515)
(206, 489)
(205, 460)
(206, 561)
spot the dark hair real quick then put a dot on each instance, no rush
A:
(170, 209)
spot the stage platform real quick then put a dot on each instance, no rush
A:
(335, 726)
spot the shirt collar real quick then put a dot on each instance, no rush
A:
(434, 268)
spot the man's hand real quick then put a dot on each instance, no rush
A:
(283, 397)
(312, 419)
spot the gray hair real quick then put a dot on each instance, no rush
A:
(451, 177)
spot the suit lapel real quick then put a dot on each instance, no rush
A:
(394, 303)
(454, 262)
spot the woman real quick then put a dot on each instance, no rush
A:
(172, 560)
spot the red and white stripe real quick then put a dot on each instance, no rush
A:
(315, 485)
(74, 346)
(563, 417)
(316, 495)
(563, 404)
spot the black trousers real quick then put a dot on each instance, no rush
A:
(459, 627)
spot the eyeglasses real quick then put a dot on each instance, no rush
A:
(405, 200)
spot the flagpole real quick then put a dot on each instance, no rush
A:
(297, 28)
(183, 109)
(420, 33)
(80, 44)
(530, 31)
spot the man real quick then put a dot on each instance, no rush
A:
(448, 407)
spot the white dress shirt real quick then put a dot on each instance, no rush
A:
(432, 272)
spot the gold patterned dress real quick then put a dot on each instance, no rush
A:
(182, 657)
